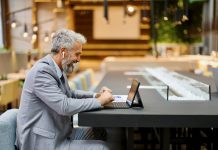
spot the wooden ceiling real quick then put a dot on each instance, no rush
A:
(95, 2)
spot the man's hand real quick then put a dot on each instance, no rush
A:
(97, 95)
(105, 98)
(104, 88)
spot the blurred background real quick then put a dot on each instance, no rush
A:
(128, 28)
(122, 35)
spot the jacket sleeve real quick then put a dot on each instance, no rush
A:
(81, 94)
(46, 88)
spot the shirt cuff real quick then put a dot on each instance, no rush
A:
(94, 95)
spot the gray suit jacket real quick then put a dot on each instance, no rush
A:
(44, 116)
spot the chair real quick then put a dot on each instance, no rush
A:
(7, 87)
(78, 83)
(83, 80)
(8, 129)
(72, 85)
(89, 76)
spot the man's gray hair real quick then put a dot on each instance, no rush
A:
(65, 38)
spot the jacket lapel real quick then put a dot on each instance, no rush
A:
(62, 85)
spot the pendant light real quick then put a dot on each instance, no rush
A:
(25, 33)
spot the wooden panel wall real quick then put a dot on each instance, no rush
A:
(101, 48)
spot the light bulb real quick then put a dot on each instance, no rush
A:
(13, 24)
(52, 34)
(165, 18)
(25, 34)
(184, 18)
(35, 28)
(34, 37)
(145, 19)
(46, 39)
(130, 10)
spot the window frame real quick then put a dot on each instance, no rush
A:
(1, 27)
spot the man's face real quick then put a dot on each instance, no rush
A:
(72, 57)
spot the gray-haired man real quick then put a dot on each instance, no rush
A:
(47, 102)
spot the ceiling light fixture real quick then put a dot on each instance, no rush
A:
(130, 10)
(25, 33)
(13, 24)
(35, 28)
(106, 11)
(185, 11)
(144, 13)
(46, 38)
(165, 11)
(13, 21)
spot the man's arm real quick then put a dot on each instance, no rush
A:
(81, 94)
(46, 88)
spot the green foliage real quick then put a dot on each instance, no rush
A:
(167, 33)
(192, 1)
(188, 31)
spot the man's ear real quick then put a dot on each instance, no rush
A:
(63, 54)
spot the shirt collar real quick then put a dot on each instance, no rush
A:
(57, 69)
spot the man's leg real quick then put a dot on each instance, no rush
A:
(88, 139)
(88, 145)
(88, 133)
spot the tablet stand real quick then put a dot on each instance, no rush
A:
(139, 101)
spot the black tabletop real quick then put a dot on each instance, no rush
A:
(157, 111)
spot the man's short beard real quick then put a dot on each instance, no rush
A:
(67, 67)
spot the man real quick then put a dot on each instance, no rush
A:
(47, 102)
